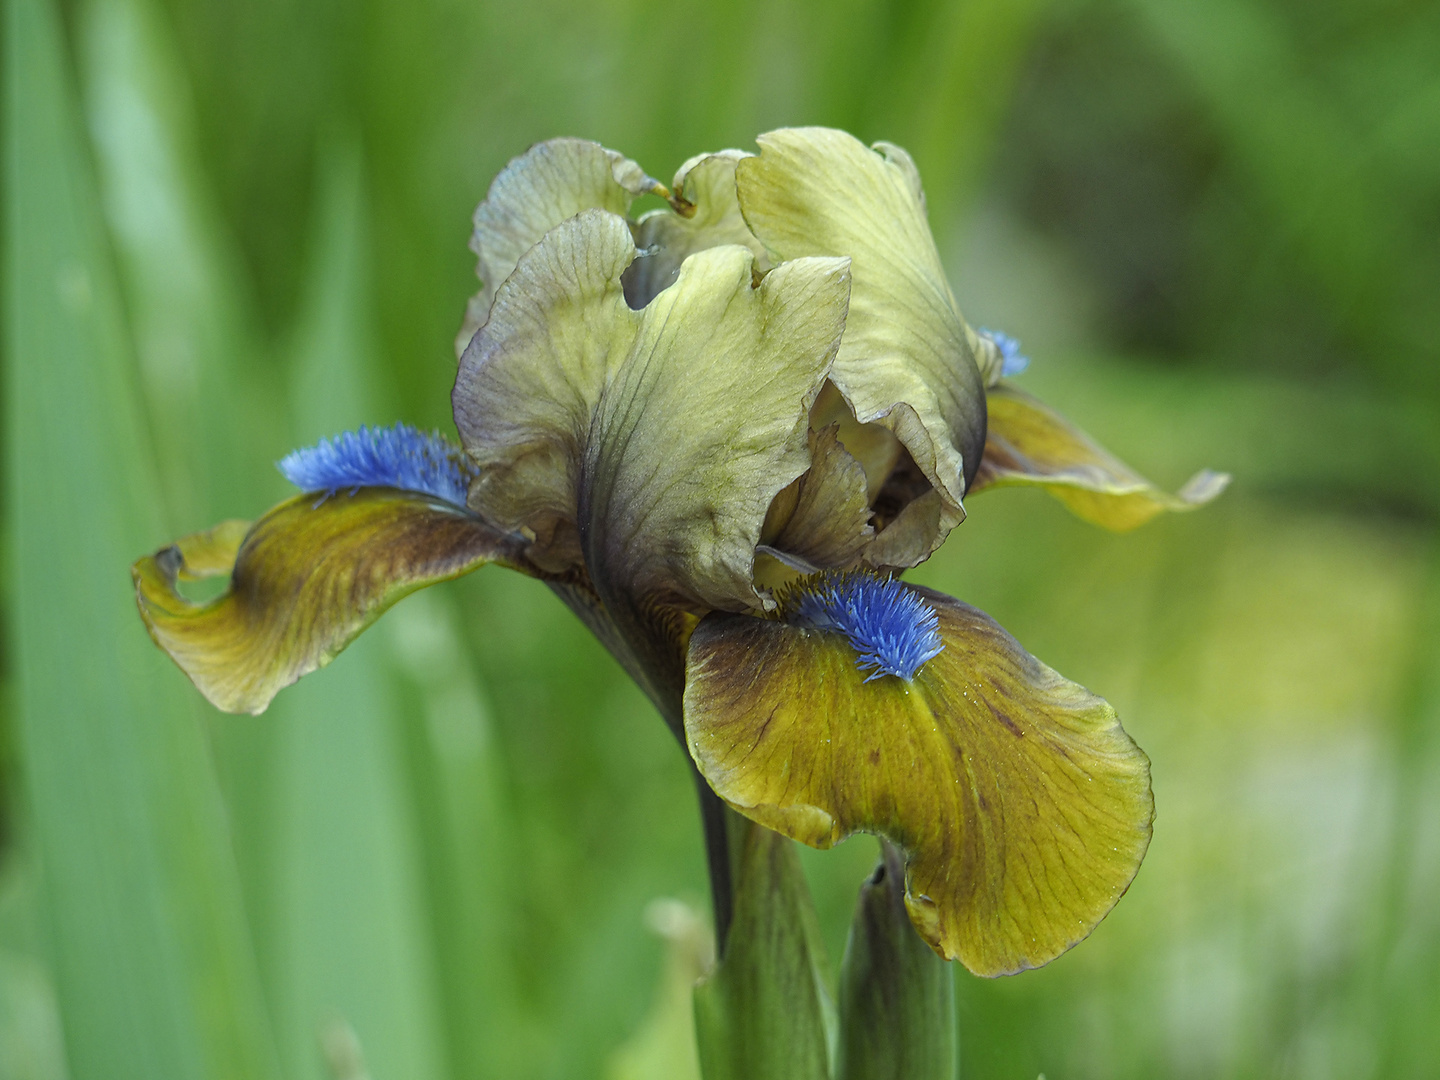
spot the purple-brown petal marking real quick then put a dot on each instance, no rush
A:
(1023, 807)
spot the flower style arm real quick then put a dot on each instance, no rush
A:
(875, 706)
(314, 572)
(646, 445)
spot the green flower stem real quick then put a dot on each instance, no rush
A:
(897, 997)
(719, 822)
(763, 1014)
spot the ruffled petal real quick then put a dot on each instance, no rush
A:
(648, 442)
(530, 380)
(822, 521)
(1022, 805)
(1030, 444)
(704, 212)
(549, 183)
(908, 360)
(305, 580)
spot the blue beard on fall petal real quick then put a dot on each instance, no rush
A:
(396, 457)
(890, 627)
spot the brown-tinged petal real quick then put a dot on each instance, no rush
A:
(305, 580)
(1030, 444)
(1022, 805)
(816, 191)
(704, 213)
(530, 380)
(829, 521)
(549, 183)
(649, 442)
(704, 423)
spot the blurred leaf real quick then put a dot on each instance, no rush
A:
(1317, 170)
(136, 859)
(201, 365)
(663, 1048)
(31, 1042)
(952, 71)
(348, 937)
(467, 850)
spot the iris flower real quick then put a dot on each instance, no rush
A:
(720, 431)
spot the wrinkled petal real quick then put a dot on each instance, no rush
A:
(908, 360)
(549, 183)
(823, 519)
(1030, 444)
(650, 442)
(704, 213)
(530, 381)
(1022, 805)
(909, 539)
(305, 580)
(872, 445)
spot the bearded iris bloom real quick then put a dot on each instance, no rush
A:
(720, 432)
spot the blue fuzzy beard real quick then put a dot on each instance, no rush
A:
(393, 457)
(893, 631)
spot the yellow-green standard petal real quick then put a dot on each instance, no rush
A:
(1022, 805)
(907, 360)
(704, 212)
(706, 422)
(1030, 444)
(549, 183)
(305, 580)
(649, 443)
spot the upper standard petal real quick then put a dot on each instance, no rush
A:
(817, 191)
(647, 443)
(549, 183)
(704, 212)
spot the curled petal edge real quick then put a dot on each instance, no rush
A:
(305, 581)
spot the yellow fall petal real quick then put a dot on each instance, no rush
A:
(1030, 444)
(1022, 805)
(305, 580)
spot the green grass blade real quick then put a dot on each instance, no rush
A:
(350, 956)
(150, 948)
(209, 393)
(206, 385)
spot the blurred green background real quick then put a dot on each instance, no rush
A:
(233, 228)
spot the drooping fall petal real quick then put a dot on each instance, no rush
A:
(305, 580)
(648, 442)
(908, 360)
(1030, 444)
(1022, 805)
